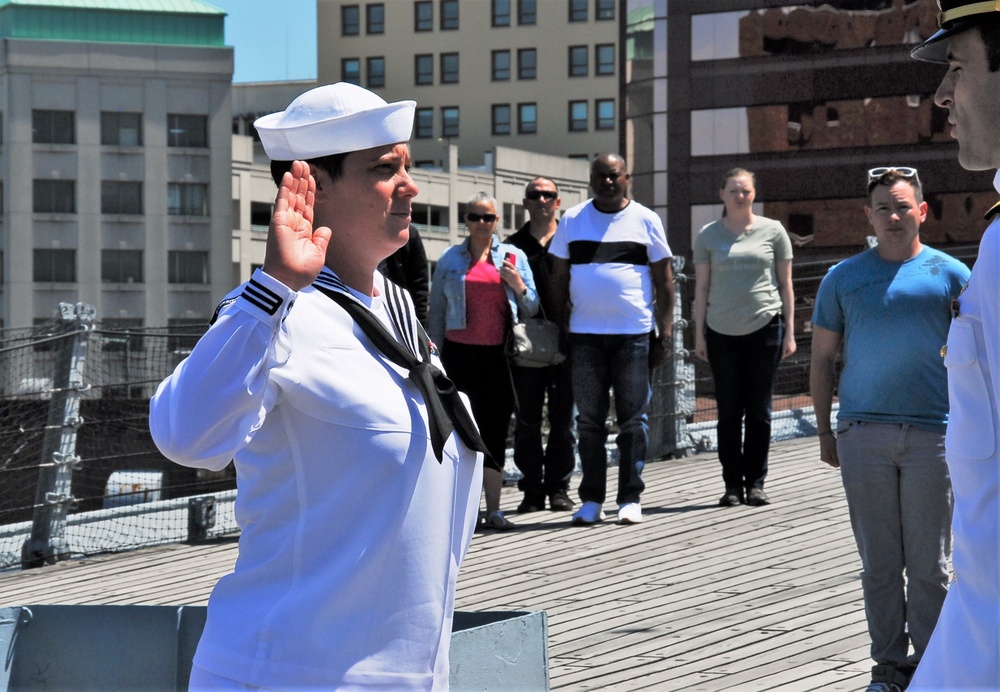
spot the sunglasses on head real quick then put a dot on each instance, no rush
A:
(485, 218)
(536, 195)
(902, 171)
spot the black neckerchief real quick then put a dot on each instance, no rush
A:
(445, 409)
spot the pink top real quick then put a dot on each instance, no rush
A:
(486, 308)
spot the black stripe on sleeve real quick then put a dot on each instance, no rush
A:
(262, 297)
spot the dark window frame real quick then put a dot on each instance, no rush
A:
(425, 22)
(186, 201)
(179, 273)
(526, 71)
(112, 127)
(187, 130)
(120, 266)
(604, 124)
(579, 10)
(374, 24)
(53, 196)
(51, 126)
(421, 129)
(575, 122)
(449, 18)
(499, 73)
(499, 126)
(345, 73)
(450, 129)
(604, 10)
(59, 265)
(527, 12)
(605, 68)
(350, 26)
(375, 76)
(500, 13)
(122, 197)
(578, 68)
(423, 77)
(522, 122)
(449, 75)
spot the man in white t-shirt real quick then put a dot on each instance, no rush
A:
(612, 272)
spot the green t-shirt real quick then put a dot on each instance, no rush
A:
(743, 292)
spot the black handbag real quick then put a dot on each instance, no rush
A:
(534, 343)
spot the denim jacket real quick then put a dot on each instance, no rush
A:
(447, 308)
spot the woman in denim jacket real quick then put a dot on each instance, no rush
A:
(480, 288)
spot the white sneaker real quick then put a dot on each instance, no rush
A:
(589, 513)
(630, 513)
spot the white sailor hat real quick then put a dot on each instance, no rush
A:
(954, 17)
(334, 119)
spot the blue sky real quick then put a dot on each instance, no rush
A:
(272, 40)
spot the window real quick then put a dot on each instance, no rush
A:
(184, 333)
(604, 10)
(604, 59)
(449, 15)
(423, 67)
(578, 61)
(578, 10)
(187, 130)
(121, 266)
(423, 125)
(119, 335)
(527, 12)
(53, 196)
(578, 116)
(350, 20)
(53, 127)
(604, 114)
(527, 63)
(449, 121)
(121, 129)
(187, 199)
(187, 267)
(350, 70)
(260, 215)
(501, 65)
(527, 118)
(121, 197)
(423, 15)
(54, 265)
(501, 119)
(500, 13)
(375, 72)
(449, 68)
(375, 19)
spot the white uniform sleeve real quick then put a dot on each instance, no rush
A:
(218, 397)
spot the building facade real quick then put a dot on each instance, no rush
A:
(536, 75)
(115, 155)
(807, 95)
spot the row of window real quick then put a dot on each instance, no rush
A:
(58, 265)
(118, 197)
(118, 129)
(501, 66)
(501, 14)
(502, 115)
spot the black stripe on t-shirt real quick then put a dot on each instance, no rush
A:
(596, 252)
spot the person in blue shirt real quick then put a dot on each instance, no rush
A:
(890, 309)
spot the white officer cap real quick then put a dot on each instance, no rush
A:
(334, 119)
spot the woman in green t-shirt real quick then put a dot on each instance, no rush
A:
(743, 315)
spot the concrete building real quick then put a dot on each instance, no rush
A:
(114, 162)
(809, 97)
(438, 209)
(537, 75)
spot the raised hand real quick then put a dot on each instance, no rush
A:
(295, 251)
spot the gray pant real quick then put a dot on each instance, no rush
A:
(899, 496)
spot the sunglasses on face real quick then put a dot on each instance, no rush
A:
(485, 218)
(536, 195)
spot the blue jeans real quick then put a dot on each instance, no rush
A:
(600, 362)
(743, 368)
(546, 469)
(899, 496)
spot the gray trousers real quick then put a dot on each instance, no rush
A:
(900, 500)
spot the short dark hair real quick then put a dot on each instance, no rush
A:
(989, 29)
(890, 178)
(541, 177)
(333, 165)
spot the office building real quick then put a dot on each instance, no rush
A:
(116, 149)
(807, 95)
(536, 75)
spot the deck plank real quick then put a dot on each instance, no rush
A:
(697, 597)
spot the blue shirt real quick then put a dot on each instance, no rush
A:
(894, 318)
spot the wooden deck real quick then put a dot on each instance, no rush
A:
(696, 598)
